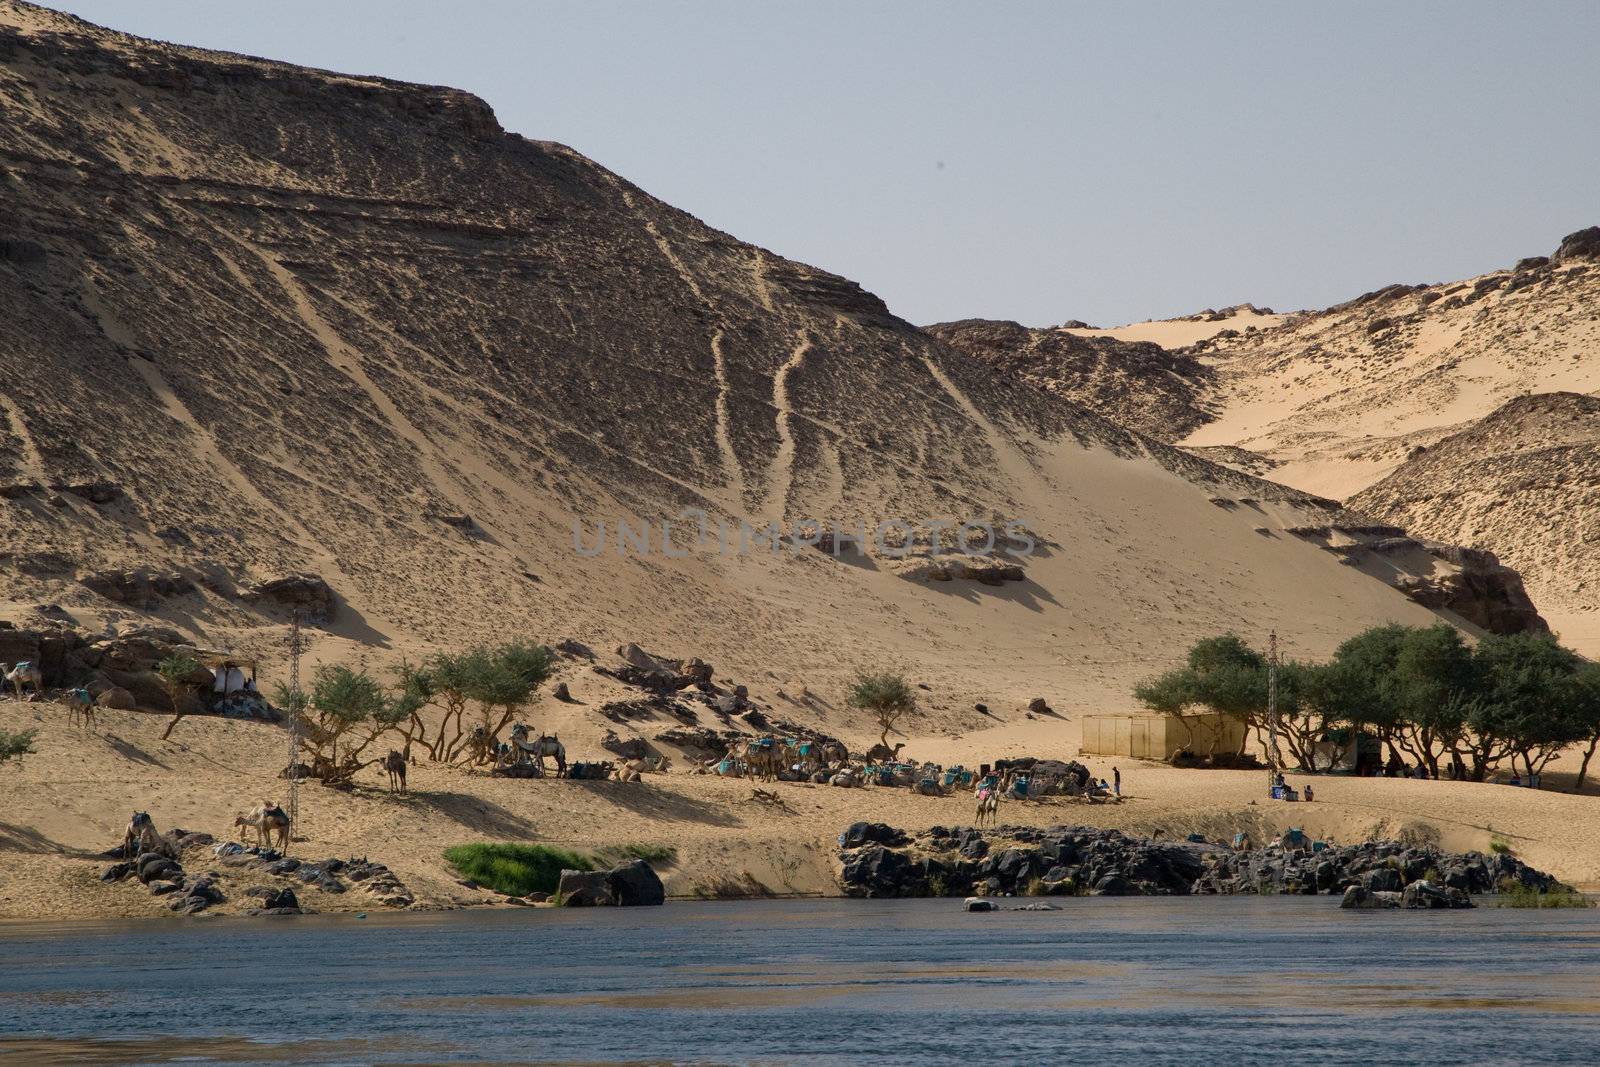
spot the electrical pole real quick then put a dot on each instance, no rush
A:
(297, 645)
(1274, 757)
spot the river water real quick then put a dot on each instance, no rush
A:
(1279, 980)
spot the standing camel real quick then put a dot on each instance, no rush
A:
(24, 673)
(988, 806)
(80, 708)
(141, 837)
(395, 764)
(537, 749)
(269, 821)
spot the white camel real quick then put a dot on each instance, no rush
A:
(269, 821)
(24, 673)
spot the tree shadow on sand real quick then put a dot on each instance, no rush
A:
(475, 813)
(15, 838)
(641, 798)
(128, 750)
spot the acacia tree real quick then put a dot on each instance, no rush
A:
(443, 681)
(885, 694)
(1221, 674)
(503, 682)
(1585, 713)
(178, 672)
(1528, 683)
(345, 712)
(1429, 687)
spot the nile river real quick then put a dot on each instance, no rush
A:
(1281, 981)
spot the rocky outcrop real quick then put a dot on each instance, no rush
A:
(879, 861)
(305, 593)
(1522, 486)
(138, 587)
(1134, 383)
(1582, 245)
(627, 885)
(1477, 588)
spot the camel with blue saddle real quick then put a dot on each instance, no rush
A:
(23, 674)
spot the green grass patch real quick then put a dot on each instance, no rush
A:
(516, 870)
(1517, 895)
(1499, 846)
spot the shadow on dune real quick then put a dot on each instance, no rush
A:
(642, 798)
(475, 813)
(15, 838)
(133, 752)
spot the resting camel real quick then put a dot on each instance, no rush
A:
(395, 764)
(882, 753)
(22, 674)
(268, 820)
(80, 708)
(988, 807)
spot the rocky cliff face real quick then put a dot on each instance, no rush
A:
(1137, 384)
(1524, 482)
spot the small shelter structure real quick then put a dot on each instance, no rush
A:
(1159, 737)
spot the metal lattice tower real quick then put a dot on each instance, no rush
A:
(297, 645)
(1274, 757)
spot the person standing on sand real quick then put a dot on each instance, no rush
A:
(1310, 796)
(1116, 781)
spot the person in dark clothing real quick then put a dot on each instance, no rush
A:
(1116, 781)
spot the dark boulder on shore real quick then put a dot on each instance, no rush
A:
(880, 861)
(628, 885)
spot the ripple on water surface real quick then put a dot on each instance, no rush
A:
(1238, 980)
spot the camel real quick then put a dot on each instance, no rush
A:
(395, 764)
(761, 759)
(882, 753)
(988, 807)
(537, 749)
(24, 673)
(478, 749)
(80, 708)
(834, 754)
(269, 821)
(141, 837)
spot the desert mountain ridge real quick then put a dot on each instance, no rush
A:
(1351, 402)
(282, 337)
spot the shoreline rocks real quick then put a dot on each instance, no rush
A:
(881, 861)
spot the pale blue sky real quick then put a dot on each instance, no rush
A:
(1036, 161)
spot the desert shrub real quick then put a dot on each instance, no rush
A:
(13, 746)
(1516, 895)
(1500, 846)
(516, 870)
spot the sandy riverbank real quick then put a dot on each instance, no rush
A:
(61, 807)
